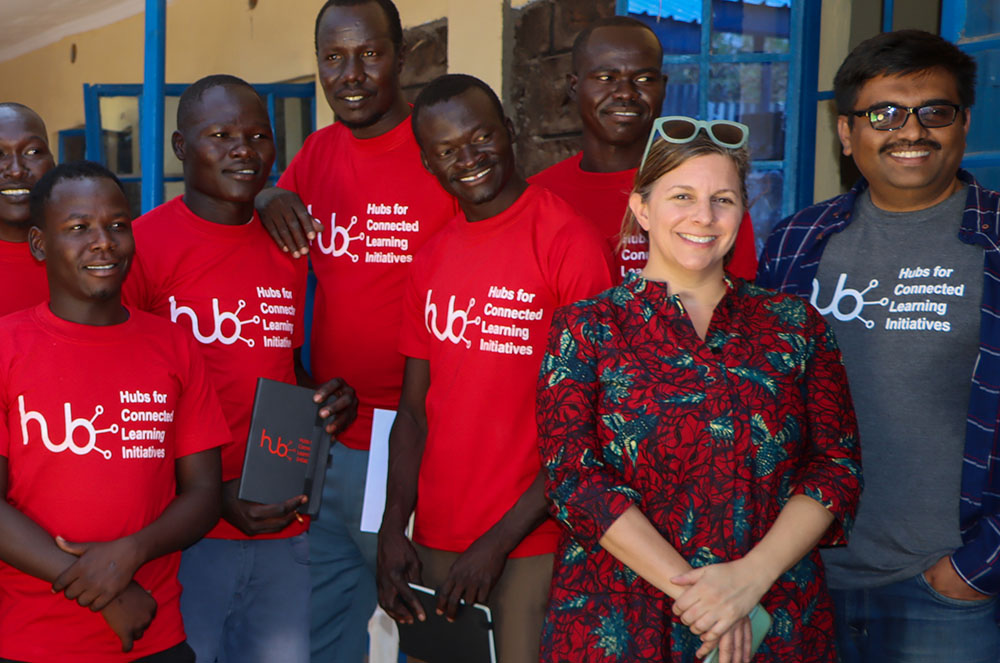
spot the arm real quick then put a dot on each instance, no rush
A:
(287, 220)
(28, 548)
(397, 560)
(340, 403)
(101, 570)
(476, 571)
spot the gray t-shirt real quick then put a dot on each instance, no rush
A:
(902, 294)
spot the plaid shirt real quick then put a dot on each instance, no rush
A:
(789, 263)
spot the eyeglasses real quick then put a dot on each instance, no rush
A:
(891, 117)
(683, 129)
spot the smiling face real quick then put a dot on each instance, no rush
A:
(692, 215)
(24, 157)
(227, 150)
(86, 241)
(913, 167)
(469, 148)
(359, 69)
(618, 85)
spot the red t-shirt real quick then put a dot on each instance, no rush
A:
(239, 296)
(478, 305)
(92, 420)
(378, 205)
(603, 198)
(23, 278)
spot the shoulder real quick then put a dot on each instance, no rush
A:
(786, 310)
(162, 218)
(552, 213)
(557, 171)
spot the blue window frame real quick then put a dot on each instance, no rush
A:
(756, 62)
(118, 146)
(974, 25)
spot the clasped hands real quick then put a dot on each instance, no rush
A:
(101, 579)
(715, 605)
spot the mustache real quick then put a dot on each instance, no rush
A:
(904, 144)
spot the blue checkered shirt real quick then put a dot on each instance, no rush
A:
(789, 263)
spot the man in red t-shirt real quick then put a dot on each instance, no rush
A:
(463, 448)
(618, 87)
(109, 445)
(204, 261)
(24, 157)
(362, 178)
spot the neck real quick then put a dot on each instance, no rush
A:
(913, 200)
(511, 191)
(14, 231)
(700, 292)
(392, 118)
(223, 212)
(601, 157)
(96, 313)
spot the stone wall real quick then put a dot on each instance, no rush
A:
(548, 127)
(426, 56)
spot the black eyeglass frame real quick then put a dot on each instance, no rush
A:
(910, 110)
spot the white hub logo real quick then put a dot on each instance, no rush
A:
(340, 238)
(456, 324)
(72, 425)
(840, 293)
(219, 317)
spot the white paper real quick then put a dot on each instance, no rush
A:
(378, 469)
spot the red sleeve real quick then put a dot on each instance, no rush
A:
(831, 474)
(301, 279)
(581, 263)
(744, 261)
(199, 422)
(413, 333)
(135, 290)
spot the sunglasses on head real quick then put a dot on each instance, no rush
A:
(683, 129)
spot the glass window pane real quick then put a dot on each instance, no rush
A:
(292, 122)
(753, 94)
(751, 26)
(172, 189)
(982, 129)
(172, 166)
(120, 133)
(676, 22)
(765, 189)
(682, 90)
(982, 17)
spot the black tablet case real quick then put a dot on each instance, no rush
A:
(469, 639)
(287, 448)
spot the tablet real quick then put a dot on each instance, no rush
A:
(468, 639)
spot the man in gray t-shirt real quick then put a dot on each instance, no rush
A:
(904, 267)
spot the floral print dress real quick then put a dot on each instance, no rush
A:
(709, 439)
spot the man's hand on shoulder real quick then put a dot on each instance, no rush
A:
(473, 575)
(398, 565)
(130, 614)
(252, 518)
(945, 580)
(287, 220)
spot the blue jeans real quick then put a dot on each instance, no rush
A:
(909, 622)
(247, 601)
(342, 563)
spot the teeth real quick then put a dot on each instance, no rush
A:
(246, 171)
(626, 113)
(476, 176)
(15, 192)
(355, 97)
(101, 267)
(698, 239)
(911, 154)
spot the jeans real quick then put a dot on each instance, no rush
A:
(342, 563)
(247, 601)
(909, 622)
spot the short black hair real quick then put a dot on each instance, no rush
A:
(902, 53)
(41, 193)
(194, 92)
(580, 43)
(447, 87)
(388, 8)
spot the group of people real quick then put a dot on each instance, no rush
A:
(626, 438)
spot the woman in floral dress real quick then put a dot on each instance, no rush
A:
(698, 437)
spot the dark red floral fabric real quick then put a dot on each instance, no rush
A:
(709, 439)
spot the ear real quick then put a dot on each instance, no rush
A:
(511, 132)
(640, 209)
(968, 118)
(177, 142)
(427, 166)
(35, 243)
(572, 80)
(844, 133)
(401, 58)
